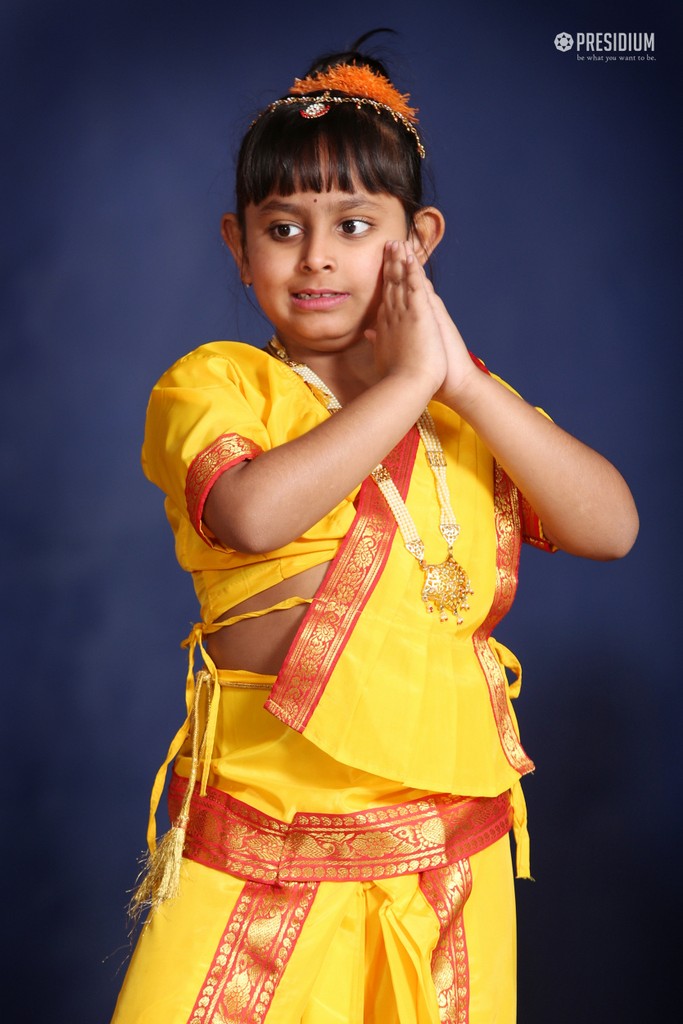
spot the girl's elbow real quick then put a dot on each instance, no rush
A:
(625, 538)
(625, 528)
(240, 518)
(250, 534)
(618, 542)
(601, 542)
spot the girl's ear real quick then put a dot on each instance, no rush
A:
(232, 236)
(427, 231)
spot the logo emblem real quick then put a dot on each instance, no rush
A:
(563, 41)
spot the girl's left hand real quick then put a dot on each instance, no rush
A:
(461, 369)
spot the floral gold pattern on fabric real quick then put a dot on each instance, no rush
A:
(508, 534)
(333, 613)
(226, 451)
(447, 890)
(400, 839)
(253, 953)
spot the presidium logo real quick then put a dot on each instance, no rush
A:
(608, 46)
(563, 41)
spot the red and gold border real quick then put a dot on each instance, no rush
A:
(226, 451)
(334, 611)
(509, 536)
(447, 890)
(253, 953)
(225, 834)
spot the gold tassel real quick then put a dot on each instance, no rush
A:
(160, 876)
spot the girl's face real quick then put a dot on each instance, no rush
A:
(315, 262)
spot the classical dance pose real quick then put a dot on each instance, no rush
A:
(350, 500)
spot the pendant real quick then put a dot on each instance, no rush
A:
(446, 588)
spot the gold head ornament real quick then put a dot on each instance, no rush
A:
(350, 83)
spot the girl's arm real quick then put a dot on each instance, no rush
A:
(583, 502)
(264, 504)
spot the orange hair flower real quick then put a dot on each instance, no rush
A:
(357, 80)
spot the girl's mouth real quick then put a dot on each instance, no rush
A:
(318, 299)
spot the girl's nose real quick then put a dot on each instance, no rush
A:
(317, 254)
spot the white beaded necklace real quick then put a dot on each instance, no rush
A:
(446, 584)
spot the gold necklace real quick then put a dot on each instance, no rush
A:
(446, 584)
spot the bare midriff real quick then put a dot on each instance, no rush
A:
(260, 644)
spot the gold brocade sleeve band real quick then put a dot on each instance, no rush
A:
(226, 451)
(532, 527)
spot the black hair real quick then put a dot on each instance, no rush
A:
(283, 152)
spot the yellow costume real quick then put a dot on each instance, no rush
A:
(346, 856)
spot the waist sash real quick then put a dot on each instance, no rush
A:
(420, 835)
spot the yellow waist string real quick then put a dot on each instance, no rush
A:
(160, 878)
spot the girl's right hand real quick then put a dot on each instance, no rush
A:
(407, 337)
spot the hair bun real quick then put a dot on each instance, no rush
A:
(353, 55)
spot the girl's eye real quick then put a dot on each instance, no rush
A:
(285, 231)
(355, 227)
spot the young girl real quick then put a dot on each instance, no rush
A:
(350, 501)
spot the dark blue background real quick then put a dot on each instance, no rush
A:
(560, 181)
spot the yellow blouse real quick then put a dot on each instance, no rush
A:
(222, 403)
